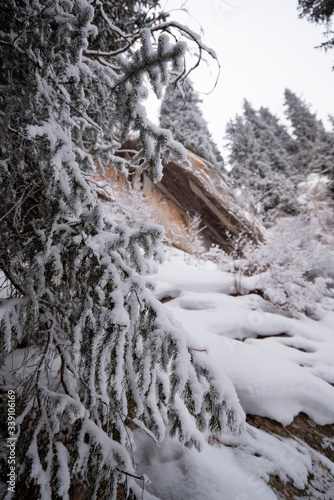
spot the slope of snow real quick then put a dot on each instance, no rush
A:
(233, 468)
(280, 366)
(276, 377)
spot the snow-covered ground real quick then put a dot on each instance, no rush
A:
(280, 366)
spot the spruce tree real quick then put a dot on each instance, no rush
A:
(314, 144)
(307, 130)
(261, 154)
(320, 12)
(327, 165)
(181, 113)
(88, 350)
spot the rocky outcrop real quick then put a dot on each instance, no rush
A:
(320, 442)
(194, 188)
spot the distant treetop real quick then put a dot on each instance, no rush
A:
(182, 114)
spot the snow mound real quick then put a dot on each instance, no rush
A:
(279, 366)
(282, 367)
(233, 467)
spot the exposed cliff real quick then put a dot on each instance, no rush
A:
(188, 189)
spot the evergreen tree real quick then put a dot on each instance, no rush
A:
(261, 154)
(327, 166)
(307, 130)
(181, 113)
(320, 12)
(268, 162)
(314, 144)
(101, 354)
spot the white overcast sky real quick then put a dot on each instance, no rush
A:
(263, 47)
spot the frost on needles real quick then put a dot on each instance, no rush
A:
(96, 354)
(181, 113)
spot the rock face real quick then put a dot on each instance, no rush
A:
(194, 188)
(320, 442)
(198, 188)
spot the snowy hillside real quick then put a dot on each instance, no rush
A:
(281, 367)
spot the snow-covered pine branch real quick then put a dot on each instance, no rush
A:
(93, 350)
